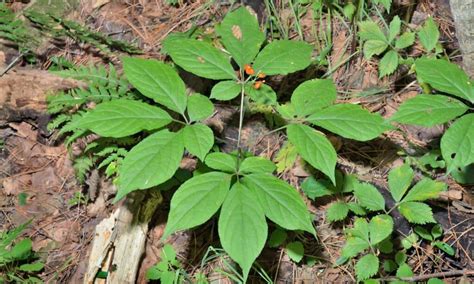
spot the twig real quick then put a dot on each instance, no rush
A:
(10, 66)
(432, 275)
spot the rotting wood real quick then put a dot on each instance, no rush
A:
(463, 14)
(126, 244)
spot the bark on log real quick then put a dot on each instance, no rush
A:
(463, 14)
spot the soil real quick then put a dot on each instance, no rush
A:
(38, 183)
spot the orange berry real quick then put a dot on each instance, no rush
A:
(261, 75)
(257, 85)
(248, 69)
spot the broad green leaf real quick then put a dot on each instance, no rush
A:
(374, 47)
(287, 111)
(388, 64)
(354, 246)
(314, 147)
(429, 110)
(20, 251)
(429, 34)
(313, 95)
(435, 281)
(437, 231)
(278, 57)
(424, 233)
(295, 251)
(151, 162)
(199, 107)
(168, 253)
(242, 226)
(356, 209)
(337, 211)
(380, 227)
(369, 30)
(198, 139)
(409, 241)
(394, 28)
(257, 165)
(32, 267)
(225, 90)
(405, 40)
(349, 10)
(350, 121)
(369, 197)
(277, 238)
(399, 180)
(389, 265)
(263, 95)
(404, 270)
(360, 229)
(196, 201)
(222, 161)
(445, 77)
(157, 81)
(400, 257)
(445, 247)
(286, 157)
(121, 118)
(416, 212)
(241, 35)
(385, 246)
(315, 188)
(366, 267)
(281, 203)
(425, 189)
(200, 58)
(457, 143)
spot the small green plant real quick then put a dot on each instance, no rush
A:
(168, 269)
(16, 258)
(432, 236)
(78, 199)
(375, 234)
(455, 98)
(241, 187)
(391, 42)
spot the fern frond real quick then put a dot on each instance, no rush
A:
(82, 166)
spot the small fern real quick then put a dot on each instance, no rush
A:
(14, 30)
(83, 164)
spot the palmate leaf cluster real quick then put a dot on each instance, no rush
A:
(454, 98)
(376, 233)
(391, 41)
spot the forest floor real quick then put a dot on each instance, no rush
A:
(38, 181)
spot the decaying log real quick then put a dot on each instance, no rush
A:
(119, 250)
(463, 14)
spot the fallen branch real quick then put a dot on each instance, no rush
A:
(432, 275)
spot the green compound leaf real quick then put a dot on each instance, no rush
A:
(314, 147)
(222, 161)
(241, 35)
(200, 58)
(366, 267)
(356, 209)
(380, 227)
(225, 90)
(151, 162)
(425, 189)
(429, 110)
(315, 188)
(416, 212)
(157, 81)
(281, 203)
(263, 95)
(354, 246)
(369, 30)
(429, 34)
(394, 28)
(196, 201)
(399, 180)
(404, 270)
(457, 143)
(388, 63)
(199, 107)
(257, 165)
(369, 197)
(445, 77)
(198, 139)
(374, 47)
(350, 121)
(337, 211)
(278, 57)
(405, 40)
(295, 251)
(242, 226)
(313, 95)
(121, 118)
(360, 229)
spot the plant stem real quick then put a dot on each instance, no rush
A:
(241, 120)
